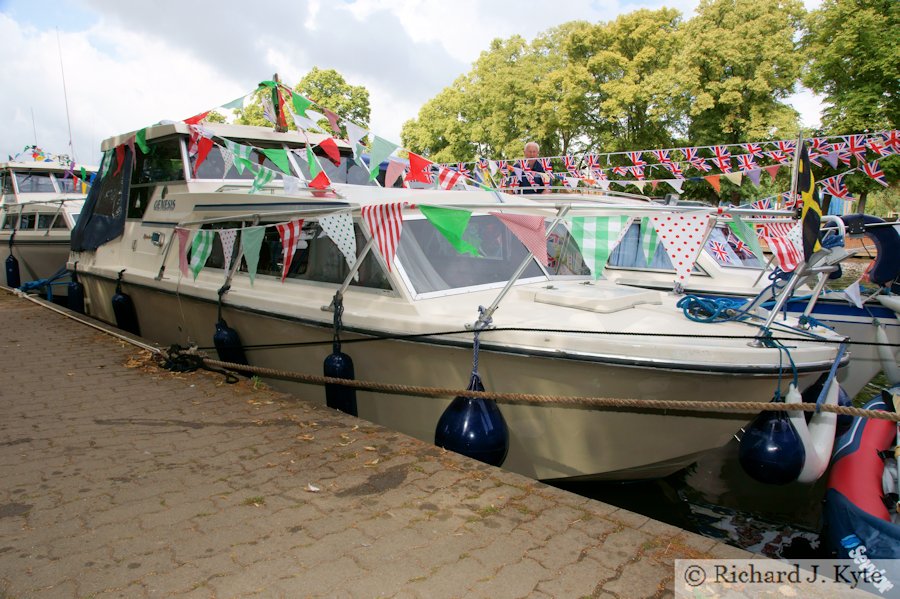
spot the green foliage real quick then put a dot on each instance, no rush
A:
(215, 117)
(854, 51)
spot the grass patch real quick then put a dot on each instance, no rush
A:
(255, 501)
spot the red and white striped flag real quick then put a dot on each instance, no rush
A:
(785, 251)
(385, 223)
(448, 177)
(289, 233)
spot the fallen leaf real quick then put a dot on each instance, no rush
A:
(370, 448)
(306, 437)
(372, 463)
(312, 488)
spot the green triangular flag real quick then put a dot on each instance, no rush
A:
(745, 233)
(312, 163)
(279, 157)
(201, 248)
(597, 236)
(269, 83)
(263, 176)
(251, 239)
(300, 103)
(649, 239)
(381, 149)
(107, 159)
(452, 224)
(140, 138)
(241, 156)
(84, 175)
(235, 104)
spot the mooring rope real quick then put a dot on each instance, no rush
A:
(569, 401)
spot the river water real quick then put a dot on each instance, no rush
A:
(715, 498)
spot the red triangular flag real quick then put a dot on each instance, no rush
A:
(204, 145)
(320, 181)
(120, 158)
(332, 120)
(197, 118)
(773, 171)
(331, 150)
(419, 169)
(714, 181)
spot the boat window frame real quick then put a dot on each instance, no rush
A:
(10, 221)
(15, 180)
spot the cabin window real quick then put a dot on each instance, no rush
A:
(35, 183)
(565, 258)
(631, 253)
(432, 264)
(317, 258)
(113, 185)
(26, 221)
(162, 164)
(214, 165)
(45, 219)
(10, 221)
(6, 183)
(727, 250)
(345, 172)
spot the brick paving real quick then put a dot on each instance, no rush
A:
(118, 479)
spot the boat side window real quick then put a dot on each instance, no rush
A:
(5, 183)
(214, 165)
(45, 219)
(727, 250)
(26, 221)
(113, 185)
(162, 164)
(35, 182)
(432, 264)
(345, 172)
(10, 221)
(631, 252)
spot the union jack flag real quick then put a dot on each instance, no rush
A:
(856, 146)
(786, 147)
(790, 204)
(718, 250)
(620, 170)
(836, 187)
(763, 204)
(874, 170)
(892, 139)
(521, 165)
(483, 163)
(571, 164)
(463, 170)
(690, 154)
(638, 172)
(503, 165)
(675, 169)
(755, 150)
(637, 158)
(662, 156)
(746, 162)
(842, 152)
(546, 164)
(879, 149)
(593, 162)
(740, 248)
(818, 147)
(778, 156)
(722, 158)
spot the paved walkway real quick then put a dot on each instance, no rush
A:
(119, 479)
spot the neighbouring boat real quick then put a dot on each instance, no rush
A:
(726, 269)
(41, 202)
(408, 319)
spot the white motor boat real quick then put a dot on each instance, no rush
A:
(39, 208)
(408, 319)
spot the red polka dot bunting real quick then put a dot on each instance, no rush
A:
(682, 249)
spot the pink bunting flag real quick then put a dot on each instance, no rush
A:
(394, 170)
(290, 238)
(183, 237)
(682, 235)
(530, 230)
(773, 171)
(332, 120)
(385, 223)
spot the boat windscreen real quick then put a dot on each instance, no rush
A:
(433, 264)
(33, 182)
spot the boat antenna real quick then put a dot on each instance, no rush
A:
(65, 95)
(33, 127)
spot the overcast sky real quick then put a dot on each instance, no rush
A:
(130, 64)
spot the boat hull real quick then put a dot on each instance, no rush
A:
(40, 256)
(547, 442)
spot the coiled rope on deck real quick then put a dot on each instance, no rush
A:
(570, 401)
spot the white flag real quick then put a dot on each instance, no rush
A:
(339, 228)
(853, 294)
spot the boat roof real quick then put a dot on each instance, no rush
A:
(47, 165)
(226, 130)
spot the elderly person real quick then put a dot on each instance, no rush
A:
(533, 178)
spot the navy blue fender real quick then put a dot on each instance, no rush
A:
(886, 267)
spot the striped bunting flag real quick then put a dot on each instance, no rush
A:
(289, 233)
(597, 236)
(785, 250)
(649, 239)
(201, 248)
(263, 176)
(385, 223)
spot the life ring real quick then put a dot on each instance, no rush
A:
(886, 266)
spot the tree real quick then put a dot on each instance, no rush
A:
(737, 63)
(854, 54)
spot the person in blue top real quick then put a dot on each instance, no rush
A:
(533, 179)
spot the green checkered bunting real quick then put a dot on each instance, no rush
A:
(649, 239)
(263, 176)
(241, 155)
(201, 248)
(597, 236)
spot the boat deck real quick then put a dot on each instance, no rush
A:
(122, 479)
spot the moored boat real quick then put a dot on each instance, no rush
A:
(551, 331)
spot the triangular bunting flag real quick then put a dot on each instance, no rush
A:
(194, 120)
(714, 181)
(140, 138)
(339, 228)
(227, 237)
(675, 184)
(263, 177)
(235, 104)
(227, 161)
(313, 163)
(853, 294)
(419, 169)
(773, 171)
(753, 175)
(331, 150)
(451, 223)
(320, 181)
(832, 158)
(649, 239)
(355, 135)
(597, 236)
(385, 222)
(251, 239)
(395, 169)
(201, 248)
(381, 150)
(120, 158)
(279, 158)
(746, 234)
(734, 177)
(291, 185)
(204, 145)
(289, 233)
(682, 236)
(531, 230)
(786, 250)
(300, 103)
(332, 121)
(183, 236)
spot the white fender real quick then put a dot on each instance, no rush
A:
(886, 354)
(817, 436)
(890, 301)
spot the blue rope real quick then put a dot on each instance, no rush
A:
(710, 309)
(831, 373)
